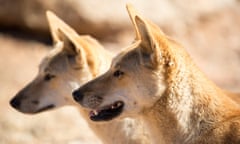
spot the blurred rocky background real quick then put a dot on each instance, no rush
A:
(209, 30)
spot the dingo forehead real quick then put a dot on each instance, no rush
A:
(125, 53)
(54, 56)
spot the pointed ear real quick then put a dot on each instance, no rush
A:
(62, 32)
(149, 47)
(75, 53)
(55, 23)
(68, 45)
(132, 14)
(67, 38)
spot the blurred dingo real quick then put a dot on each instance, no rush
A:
(73, 61)
(156, 80)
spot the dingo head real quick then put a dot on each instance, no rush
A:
(137, 77)
(73, 61)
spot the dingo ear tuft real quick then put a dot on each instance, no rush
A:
(64, 36)
(68, 44)
(132, 14)
(53, 22)
(149, 47)
(75, 54)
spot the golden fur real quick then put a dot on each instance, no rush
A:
(73, 61)
(155, 80)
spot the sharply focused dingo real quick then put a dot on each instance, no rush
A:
(73, 61)
(156, 80)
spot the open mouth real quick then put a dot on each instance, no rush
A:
(45, 108)
(107, 112)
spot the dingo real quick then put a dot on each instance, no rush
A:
(156, 80)
(73, 61)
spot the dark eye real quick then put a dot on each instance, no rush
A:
(118, 73)
(48, 77)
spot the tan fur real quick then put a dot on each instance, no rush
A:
(159, 83)
(73, 61)
(233, 96)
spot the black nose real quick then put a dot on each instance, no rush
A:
(77, 95)
(15, 102)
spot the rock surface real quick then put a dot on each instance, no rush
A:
(102, 18)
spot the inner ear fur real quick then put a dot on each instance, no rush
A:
(61, 31)
(68, 44)
(149, 47)
(65, 37)
(75, 54)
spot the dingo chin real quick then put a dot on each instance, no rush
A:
(73, 61)
(156, 80)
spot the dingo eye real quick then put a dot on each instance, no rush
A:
(48, 77)
(118, 73)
